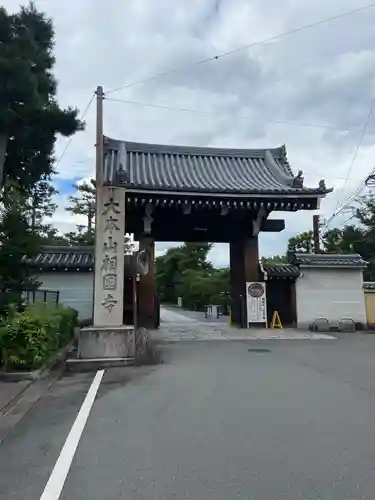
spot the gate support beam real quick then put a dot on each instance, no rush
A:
(244, 266)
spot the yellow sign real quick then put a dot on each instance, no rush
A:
(276, 321)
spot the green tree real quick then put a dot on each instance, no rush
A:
(30, 119)
(356, 238)
(301, 242)
(40, 205)
(182, 269)
(30, 116)
(276, 259)
(349, 239)
(84, 203)
(52, 237)
(17, 241)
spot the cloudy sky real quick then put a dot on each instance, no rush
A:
(311, 90)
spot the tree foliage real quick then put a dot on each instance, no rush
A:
(301, 243)
(84, 203)
(357, 237)
(40, 205)
(30, 117)
(276, 259)
(185, 272)
(17, 241)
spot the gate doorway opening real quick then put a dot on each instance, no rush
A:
(281, 292)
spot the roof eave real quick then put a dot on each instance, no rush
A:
(62, 269)
(333, 266)
(216, 194)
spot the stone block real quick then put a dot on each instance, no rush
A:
(106, 342)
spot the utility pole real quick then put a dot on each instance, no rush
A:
(99, 137)
(99, 160)
(316, 234)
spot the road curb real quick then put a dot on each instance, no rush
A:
(43, 372)
(19, 406)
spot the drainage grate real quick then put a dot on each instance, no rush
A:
(260, 350)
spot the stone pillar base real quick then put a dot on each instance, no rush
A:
(106, 342)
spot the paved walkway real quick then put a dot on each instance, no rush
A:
(10, 391)
(179, 325)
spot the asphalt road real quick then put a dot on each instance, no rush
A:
(215, 421)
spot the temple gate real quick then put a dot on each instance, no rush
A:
(184, 193)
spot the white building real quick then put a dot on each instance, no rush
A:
(330, 287)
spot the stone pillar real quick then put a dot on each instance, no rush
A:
(244, 266)
(147, 287)
(109, 257)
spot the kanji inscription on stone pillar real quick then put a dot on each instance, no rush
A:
(109, 257)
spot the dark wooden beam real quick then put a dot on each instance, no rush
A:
(273, 225)
(221, 231)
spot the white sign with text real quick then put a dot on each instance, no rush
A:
(256, 302)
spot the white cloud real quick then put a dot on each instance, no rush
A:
(323, 75)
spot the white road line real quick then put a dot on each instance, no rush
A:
(56, 482)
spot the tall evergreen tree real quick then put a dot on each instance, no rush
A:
(30, 119)
(40, 205)
(84, 203)
(17, 243)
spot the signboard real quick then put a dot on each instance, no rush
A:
(256, 302)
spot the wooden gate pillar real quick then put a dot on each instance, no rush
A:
(147, 288)
(244, 266)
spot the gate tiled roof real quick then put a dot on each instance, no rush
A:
(328, 260)
(281, 270)
(202, 169)
(55, 258)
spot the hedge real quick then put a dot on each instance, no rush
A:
(29, 338)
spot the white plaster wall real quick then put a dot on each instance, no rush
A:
(76, 290)
(330, 293)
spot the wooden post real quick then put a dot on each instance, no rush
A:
(244, 267)
(316, 234)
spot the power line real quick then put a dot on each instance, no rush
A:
(353, 195)
(344, 205)
(240, 117)
(286, 122)
(67, 145)
(245, 47)
(356, 151)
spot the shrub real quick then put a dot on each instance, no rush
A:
(28, 338)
